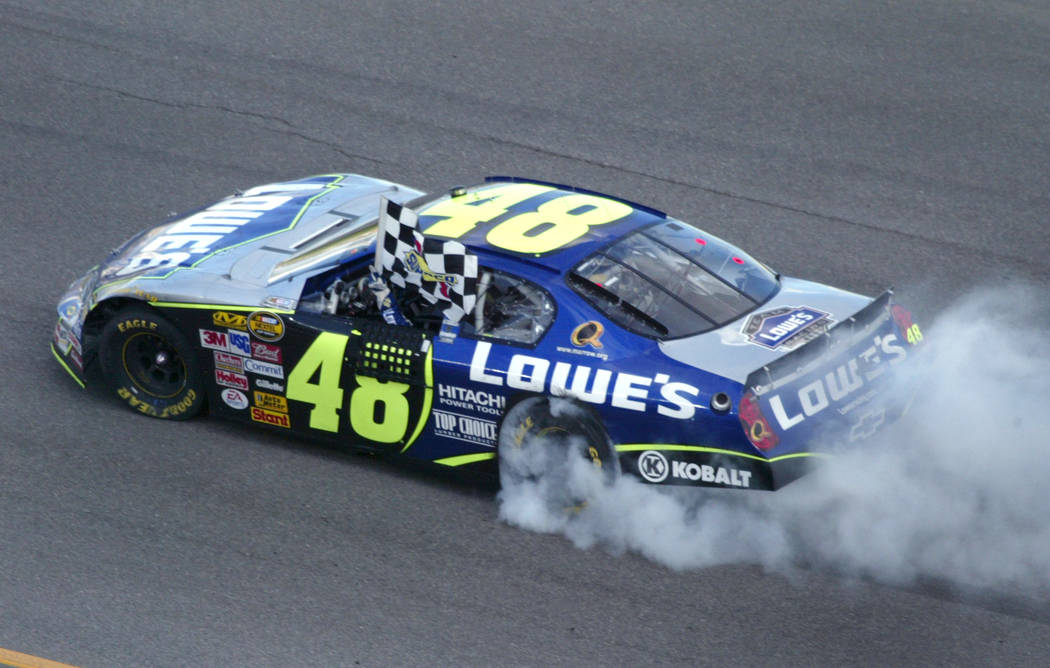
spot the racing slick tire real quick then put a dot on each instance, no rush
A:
(150, 364)
(542, 439)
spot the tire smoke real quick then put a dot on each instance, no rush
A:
(957, 491)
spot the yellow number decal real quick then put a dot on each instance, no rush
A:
(462, 214)
(556, 223)
(326, 354)
(914, 334)
(391, 427)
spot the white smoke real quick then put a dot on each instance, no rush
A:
(958, 491)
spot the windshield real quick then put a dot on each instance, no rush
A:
(672, 280)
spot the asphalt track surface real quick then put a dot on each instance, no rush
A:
(862, 143)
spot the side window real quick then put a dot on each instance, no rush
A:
(511, 308)
(508, 307)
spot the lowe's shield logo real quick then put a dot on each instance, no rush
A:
(787, 327)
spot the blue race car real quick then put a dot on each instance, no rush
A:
(454, 327)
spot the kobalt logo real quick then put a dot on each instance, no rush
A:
(839, 383)
(652, 466)
(631, 392)
(714, 474)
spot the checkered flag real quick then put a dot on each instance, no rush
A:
(440, 270)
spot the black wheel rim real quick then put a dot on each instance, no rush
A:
(154, 365)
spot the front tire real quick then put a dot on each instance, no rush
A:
(150, 364)
(555, 446)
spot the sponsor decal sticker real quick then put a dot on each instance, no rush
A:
(588, 334)
(652, 465)
(593, 385)
(266, 325)
(214, 340)
(718, 475)
(227, 319)
(840, 383)
(240, 342)
(230, 379)
(228, 361)
(234, 398)
(280, 302)
(271, 401)
(263, 368)
(266, 352)
(76, 359)
(270, 417)
(786, 327)
(475, 400)
(269, 385)
(465, 428)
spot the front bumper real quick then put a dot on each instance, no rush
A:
(67, 342)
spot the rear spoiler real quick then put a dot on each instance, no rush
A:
(833, 389)
(814, 353)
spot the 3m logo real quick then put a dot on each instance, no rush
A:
(271, 401)
(214, 340)
(270, 417)
(226, 319)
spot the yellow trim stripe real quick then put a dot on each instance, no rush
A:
(635, 447)
(466, 459)
(220, 307)
(66, 366)
(19, 660)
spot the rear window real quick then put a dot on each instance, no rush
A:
(672, 280)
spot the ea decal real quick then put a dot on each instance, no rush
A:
(234, 398)
(787, 327)
(588, 334)
(266, 326)
(652, 466)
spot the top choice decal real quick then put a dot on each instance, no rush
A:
(787, 327)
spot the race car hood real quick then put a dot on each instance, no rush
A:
(798, 313)
(232, 246)
(226, 253)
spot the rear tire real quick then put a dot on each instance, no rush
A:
(150, 364)
(542, 439)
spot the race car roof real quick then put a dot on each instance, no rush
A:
(544, 223)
